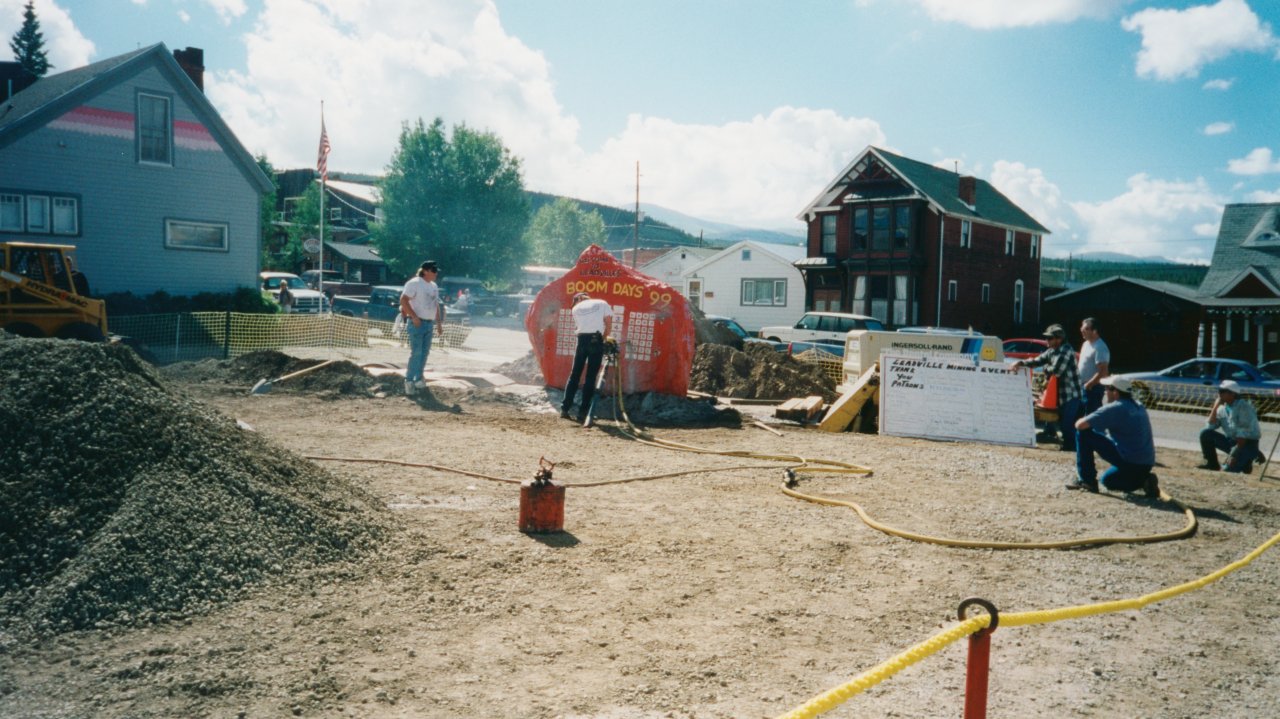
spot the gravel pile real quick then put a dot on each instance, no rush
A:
(759, 372)
(336, 380)
(127, 504)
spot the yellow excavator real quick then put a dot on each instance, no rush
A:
(43, 295)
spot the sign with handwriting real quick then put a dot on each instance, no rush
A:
(955, 398)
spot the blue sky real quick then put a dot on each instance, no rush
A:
(1122, 125)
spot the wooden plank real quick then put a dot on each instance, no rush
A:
(790, 409)
(811, 406)
(842, 412)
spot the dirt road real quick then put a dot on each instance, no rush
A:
(705, 595)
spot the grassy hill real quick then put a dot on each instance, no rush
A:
(1057, 272)
(620, 224)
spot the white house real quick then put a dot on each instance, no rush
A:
(670, 267)
(753, 282)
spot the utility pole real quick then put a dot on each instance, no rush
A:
(635, 242)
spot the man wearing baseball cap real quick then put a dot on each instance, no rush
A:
(1233, 428)
(1120, 432)
(1060, 361)
(424, 317)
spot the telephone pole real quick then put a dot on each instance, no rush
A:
(635, 242)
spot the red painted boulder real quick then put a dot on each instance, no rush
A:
(651, 322)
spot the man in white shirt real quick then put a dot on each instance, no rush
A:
(1094, 366)
(593, 320)
(423, 312)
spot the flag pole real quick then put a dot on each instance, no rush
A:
(324, 176)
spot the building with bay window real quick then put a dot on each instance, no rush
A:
(913, 244)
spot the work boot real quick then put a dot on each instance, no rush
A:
(1078, 484)
(410, 388)
(1151, 486)
(1209, 465)
(564, 413)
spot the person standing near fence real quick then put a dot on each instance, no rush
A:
(423, 312)
(1233, 428)
(1094, 366)
(1060, 361)
(593, 320)
(286, 297)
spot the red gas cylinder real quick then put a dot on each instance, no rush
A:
(541, 507)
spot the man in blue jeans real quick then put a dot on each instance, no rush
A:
(1120, 433)
(424, 316)
(1233, 428)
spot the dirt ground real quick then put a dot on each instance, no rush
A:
(705, 595)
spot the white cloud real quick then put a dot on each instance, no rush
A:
(1153, 217)
(66, 47)
(1218, 84)
(989, 14)
(184, 16)
(1257, 162)
(1177, 43)
(376, 71)
(1029, 189)
(1263, 196)
(227, 9)
(1219, 128)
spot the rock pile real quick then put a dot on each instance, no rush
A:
(125, 503)
(759, 372)
(339, 379)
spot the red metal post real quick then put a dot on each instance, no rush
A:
(976, 674)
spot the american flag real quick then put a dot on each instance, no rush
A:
(322, 160)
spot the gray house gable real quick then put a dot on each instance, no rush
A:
(129, 161)
(53, 96)
(1247, 248)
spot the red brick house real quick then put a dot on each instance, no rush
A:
(913, 244)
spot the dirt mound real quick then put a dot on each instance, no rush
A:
(760, 372)
(337, 379)
(525, 370)
(128, 504)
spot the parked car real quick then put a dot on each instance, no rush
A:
(1272, 368)
(940, 331)
(1021, 348)
(383, 304)
(334, 284)
(482, 301)
(1195, 382)
(305, 299)
(730, 324)
(827, 327)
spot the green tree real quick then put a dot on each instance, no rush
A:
(456, 199)
(304, 224)
(560, 232)
(28, 43)
(272, 236)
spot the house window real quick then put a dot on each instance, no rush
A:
(966, 233)
(335, 214)
(1017, 302)
(953, 290)
(1008, 242)
(828, 234)
(764, 292)
(880, 228)
(1035, 246)
(11, 213)
(37, 213)
(900, 300)
(860, 228)
(901, 227)
(746, 255)
(155, 137)
(66, 218)
(986, 293)
(860, 294)
(184, 235)
(880, 297)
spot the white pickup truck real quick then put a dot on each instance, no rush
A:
(305, 299)
(825, 327)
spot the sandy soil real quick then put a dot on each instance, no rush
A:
(706, 595)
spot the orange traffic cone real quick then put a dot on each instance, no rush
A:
(1049, 399)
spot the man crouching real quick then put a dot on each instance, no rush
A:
(1119, 432)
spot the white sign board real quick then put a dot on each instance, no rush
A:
(955, 397)
(311, 245)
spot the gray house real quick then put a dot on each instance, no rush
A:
(127, 160)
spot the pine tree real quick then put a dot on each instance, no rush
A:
(28, 44)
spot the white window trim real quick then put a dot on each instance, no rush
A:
(171, 245)
(1035, 246)
(75, 216)
(777, 293)
(966, 233)
(1019, 295)
(20, 202)
(1009, 246)
(43, 228)
(986, 293)
(168, 103)
(953, 290)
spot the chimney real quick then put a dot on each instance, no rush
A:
(191, 61)
(968, 189)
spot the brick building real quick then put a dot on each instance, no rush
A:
(911, 244)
